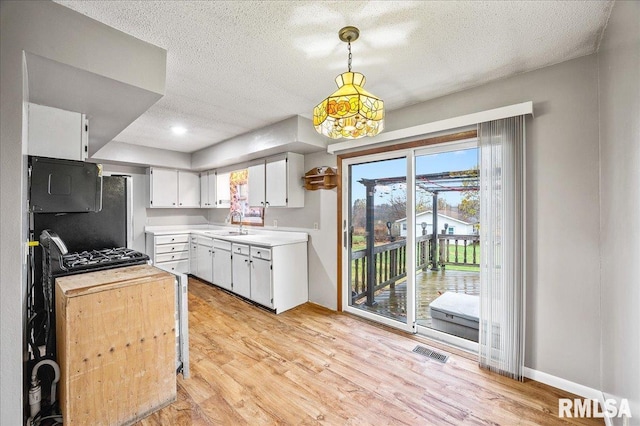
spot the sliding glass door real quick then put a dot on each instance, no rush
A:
(410, 240)
(447, 212)
(375, 240)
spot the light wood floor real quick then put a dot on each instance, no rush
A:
(315, 366)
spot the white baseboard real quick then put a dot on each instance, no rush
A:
(566, 385)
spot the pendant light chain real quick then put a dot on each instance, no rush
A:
(349, 47)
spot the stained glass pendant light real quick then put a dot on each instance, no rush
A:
(350, 112)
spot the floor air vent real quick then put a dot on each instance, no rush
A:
(430, 354)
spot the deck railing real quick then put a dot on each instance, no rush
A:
(463, 250)
(390, 261)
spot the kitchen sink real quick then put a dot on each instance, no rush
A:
(225, 232)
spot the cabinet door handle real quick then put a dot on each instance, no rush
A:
(173, 248)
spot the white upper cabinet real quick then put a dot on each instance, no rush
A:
(223, 190)
(208, 189)
(188, 189)
(170, 188)
(256, 184)
(163, 185)
(276, 181)
(57, 133)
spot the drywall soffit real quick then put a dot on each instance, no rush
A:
(110, 105)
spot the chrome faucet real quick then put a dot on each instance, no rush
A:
(240, 215)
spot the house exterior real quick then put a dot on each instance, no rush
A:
(453, 226)
(582, 146)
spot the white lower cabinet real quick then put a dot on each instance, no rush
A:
(170, 251)
(275, 277)
(261, 282)
(222, 264)
(241, 270)
(204, 256)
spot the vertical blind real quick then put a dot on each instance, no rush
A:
(502, 270)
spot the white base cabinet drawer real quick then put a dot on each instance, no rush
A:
(240, 249)
(181, 266)
(172, 248)
(221, 244)
(170, 239)
(171, 257)
(260, 253)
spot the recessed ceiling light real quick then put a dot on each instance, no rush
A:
(179, 130)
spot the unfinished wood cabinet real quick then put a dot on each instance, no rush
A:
(116, 344)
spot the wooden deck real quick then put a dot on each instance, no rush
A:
(392, 302)
(311, 365)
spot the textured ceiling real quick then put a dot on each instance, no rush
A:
(235, 66)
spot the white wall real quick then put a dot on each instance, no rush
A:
(619, 90)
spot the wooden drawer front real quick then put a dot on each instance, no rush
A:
(220, 244)
(261, 253)
(170, 239)
(171, 248)
(179, 266)
(240, 249)
(171, 257)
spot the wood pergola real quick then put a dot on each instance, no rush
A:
(433, 183)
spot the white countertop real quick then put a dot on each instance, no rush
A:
(260, 237)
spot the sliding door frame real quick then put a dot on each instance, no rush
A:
(389, 149)
(345, 249)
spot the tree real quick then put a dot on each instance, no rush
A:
(358, 213)
(470, 204)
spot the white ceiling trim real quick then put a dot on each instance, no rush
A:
(514, 110)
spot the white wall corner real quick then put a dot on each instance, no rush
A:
(563, 384)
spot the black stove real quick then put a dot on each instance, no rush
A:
(57, 262)
(101, 259)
